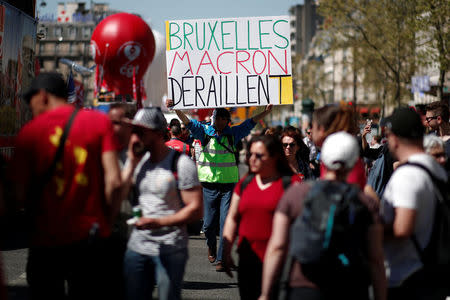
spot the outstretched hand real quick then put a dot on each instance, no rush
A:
(268, 108)
(367, 129)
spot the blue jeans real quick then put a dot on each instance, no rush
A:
(216, 200)
(141, 271)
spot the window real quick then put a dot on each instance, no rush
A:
(58, 32)
(86, 32)
(72, 34)
(72, 48)
(344, 94)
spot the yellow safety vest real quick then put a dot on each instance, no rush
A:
(216, 163)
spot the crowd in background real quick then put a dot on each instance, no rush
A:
(122, 191)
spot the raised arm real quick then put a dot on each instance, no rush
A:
(367, 129)
(180, 114)
(261, 115)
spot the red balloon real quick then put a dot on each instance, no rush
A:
(123, 45)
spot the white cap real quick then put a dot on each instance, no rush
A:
(339, 150)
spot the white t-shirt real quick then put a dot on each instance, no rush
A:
(158, 197)
(409, 187)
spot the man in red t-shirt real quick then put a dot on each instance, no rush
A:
(175, 141)
(71, 209)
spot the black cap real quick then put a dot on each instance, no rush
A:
(406, 123)
(223, 113)
(51, 82)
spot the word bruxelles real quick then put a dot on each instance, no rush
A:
(229, 62)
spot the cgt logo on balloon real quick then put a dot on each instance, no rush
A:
(131, 50)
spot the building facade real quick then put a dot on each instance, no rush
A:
(304, 24)
(67, 35)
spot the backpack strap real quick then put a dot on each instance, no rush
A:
(440, 184)
(174, 164)
(206, 140)
(60, 151)
(230, 143)
(286, 180)
(439, 196)
(246, 181)
(174, 170)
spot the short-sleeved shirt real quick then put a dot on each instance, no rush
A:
(256, 210)
(158, 197)
(291, 205)
(74, 198)
(410, 187)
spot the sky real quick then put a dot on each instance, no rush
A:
(156, 12)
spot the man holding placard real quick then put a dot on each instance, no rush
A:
(218, 63)
(218, 169)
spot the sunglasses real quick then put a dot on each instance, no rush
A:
(431, 118)
(258, 156)
(292, 145)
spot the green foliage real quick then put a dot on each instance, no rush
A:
(383, 37)
(433, 35)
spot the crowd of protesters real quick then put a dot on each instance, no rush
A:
(322, 213)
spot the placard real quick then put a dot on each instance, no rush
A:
(233, 62)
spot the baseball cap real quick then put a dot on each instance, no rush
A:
(51, 82)
(405, 122)
(222, 112)
(150, 118)
(339, 150)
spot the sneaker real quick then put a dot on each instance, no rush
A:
(220, 267)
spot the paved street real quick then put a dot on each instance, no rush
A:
(201, 281)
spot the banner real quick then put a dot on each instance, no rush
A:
(17, 60)
(229, 62)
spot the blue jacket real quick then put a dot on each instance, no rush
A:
(198, 130)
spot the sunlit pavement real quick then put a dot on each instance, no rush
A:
(201, 281)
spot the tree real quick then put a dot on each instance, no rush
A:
(381, 36)
(432, 25)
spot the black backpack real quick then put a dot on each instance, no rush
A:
(436, 255)
(329, 237)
